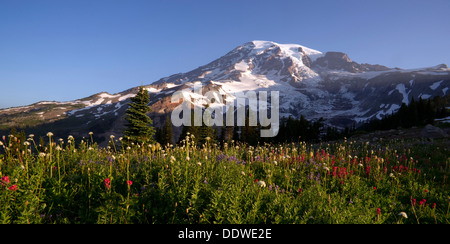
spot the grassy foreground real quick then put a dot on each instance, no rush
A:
(342, 182)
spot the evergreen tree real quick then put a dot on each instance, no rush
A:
(192, 130)
(207, 132)
(139, 127)
(227, 133)
(249, 134)
(167, 132)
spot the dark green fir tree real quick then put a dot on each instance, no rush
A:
(139, 128)
(167, 132)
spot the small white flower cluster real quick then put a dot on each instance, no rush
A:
(261, 183)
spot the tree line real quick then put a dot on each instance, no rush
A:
(290, 130)
(139, 127)
(416, 113)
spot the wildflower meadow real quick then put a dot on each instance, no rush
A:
(347, 181)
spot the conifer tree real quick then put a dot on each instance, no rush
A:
(192, 130)
(139, 127)
(167, 132)
(206, 131)
(227, 133)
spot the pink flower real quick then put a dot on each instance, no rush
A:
(5, 179)
(107, 183)
(422, 202)
(378, 211)
(13, 188)
(129, 182)
(414, 202)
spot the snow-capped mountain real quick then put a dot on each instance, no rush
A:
(315, 84)
(310, 83)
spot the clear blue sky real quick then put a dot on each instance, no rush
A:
(68, 49)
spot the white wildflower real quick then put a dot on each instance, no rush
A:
(42, 155)
(31, 135)
(26, 143)
(199, 164)
(403, 214)
(58, 148)
(49, 134)
(242, 173)
(261, 183)
(91, 133)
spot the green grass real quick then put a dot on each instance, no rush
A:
(341, 182)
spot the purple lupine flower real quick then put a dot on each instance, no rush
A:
(221, 157)
(318, 177)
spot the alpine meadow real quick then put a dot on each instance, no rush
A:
(127, 162)
(239, 120)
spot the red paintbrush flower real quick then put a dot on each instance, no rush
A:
(107, 183)
(13, 188)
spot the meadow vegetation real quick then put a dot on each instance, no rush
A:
(347, 181)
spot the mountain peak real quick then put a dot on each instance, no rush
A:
(310, 83)
(294, 50)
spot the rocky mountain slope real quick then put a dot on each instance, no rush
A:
(311, 83)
